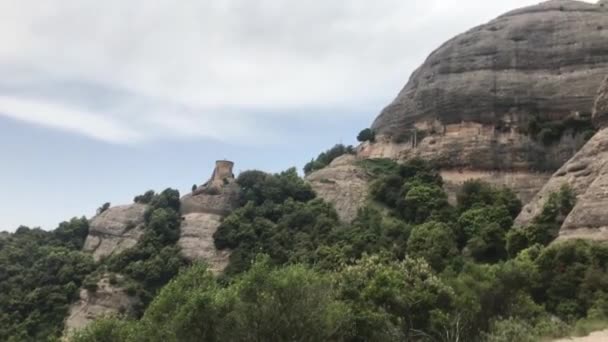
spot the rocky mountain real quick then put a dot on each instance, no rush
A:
(119, 228)
(508, 101)
(587, 175)
(115, 230)
(203, 211)
(106, 300)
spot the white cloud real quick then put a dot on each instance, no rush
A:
(195, 68)
(92, 124)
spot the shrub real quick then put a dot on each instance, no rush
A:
(366, 135)
(434, 242)
(327, 157)
(103, 208)
(146, 198)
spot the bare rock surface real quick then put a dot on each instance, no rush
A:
(115, 230)
(344, 184)
(202, 213)
(600, 109)
(546, 59)
(469, 106)
(587, 175)
(107, 300)
(196, 240)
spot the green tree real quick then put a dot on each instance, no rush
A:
(421, 201)
(433, 241)
(366, 135)
(393, 301)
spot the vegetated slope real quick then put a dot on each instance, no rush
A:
(409, 267)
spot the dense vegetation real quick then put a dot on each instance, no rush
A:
(327, 157)
(155, 259)
(551, 131)
(410, 267)
(366, 135)
(40, 274)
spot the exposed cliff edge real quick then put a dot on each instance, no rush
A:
(587, 175)
(203, 211)
(115, 230)
(508, 101)
(119, 228)
(546, 59)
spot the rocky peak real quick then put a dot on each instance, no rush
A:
(543, 60)
(485, 103)
(203, 211)
(222, 175)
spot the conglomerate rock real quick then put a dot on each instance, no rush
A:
(587, 175)
(342, 183)
(115, 230)
(470, 106)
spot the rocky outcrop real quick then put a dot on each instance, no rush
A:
(107, 300)
(472, 106)
(115, 230)
(203, 211)
(196, 240)
(600, 109)
(344, 184)
(546, 60)
(587, 175)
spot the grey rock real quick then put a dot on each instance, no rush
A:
(202, 212)
(587, 175)
(115, 230)
(468, 106)
(600, 109)
(196, 240)
(546, 59)
(344, 184)
(107, 300)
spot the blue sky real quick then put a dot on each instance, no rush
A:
(103, 100)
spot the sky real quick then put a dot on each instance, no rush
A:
(103, 100)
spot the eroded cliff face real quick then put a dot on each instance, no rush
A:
(203, 211)
(109, 299)
(342, 183)
(473, 105)
(587, 175)
(121, 227)
(544, 60)
(115, 230)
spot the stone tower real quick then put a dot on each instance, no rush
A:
(222, 172)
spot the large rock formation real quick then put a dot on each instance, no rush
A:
(343, 183)
(546, 59)
(115, 230)
(470, 106)
(587, 175)
(107, 300)
(203, 211)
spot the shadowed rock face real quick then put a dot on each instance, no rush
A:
(546, 59)
(600, 110)
(587, 175)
